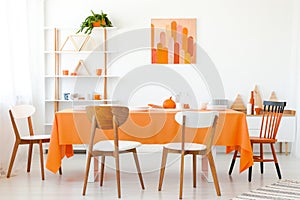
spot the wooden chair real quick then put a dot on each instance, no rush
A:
(269, 126)
(24, 112)
(192, 119)
(109, 117)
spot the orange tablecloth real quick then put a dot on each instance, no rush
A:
(72, 127)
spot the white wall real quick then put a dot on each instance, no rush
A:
(250, 41)
(296, 55)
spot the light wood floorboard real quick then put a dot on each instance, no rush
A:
(69, 186)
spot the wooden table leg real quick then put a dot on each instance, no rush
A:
(280, 147)
(286, 148)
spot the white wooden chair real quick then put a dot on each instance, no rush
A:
(24, 112)
(105, 118)
(192, 119)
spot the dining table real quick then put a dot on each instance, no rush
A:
(153, 126)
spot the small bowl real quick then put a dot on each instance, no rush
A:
(203, 105)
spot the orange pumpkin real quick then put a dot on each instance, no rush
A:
(169, 103)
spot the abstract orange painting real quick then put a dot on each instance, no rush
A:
(173, 41)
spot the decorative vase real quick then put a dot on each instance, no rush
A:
(252, 102)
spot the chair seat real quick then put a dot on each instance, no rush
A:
(187, 146)
(262, 140)
(36, 137)
(108, 145)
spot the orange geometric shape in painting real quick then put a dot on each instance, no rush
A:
(176, 53)
(174, 29)
(165, 56)
(159, 53)
(187, 58)
(184, 38)
(190, 48)
(154, 56)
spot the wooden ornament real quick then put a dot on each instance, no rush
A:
(238, 104)
(78, 42)
(81, 63)
(257, 98)
(273, 97)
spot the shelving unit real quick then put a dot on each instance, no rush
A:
(85, 83)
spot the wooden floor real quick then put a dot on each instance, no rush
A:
(69, 186)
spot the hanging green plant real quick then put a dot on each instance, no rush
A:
(95, 20)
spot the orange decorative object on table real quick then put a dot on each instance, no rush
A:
(257, 110)
(169, 103)
(186, 106)
(154, 105)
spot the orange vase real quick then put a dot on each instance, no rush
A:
(252, 102)
(103, 22)
(96, 24)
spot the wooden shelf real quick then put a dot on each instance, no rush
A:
(78, 52)
(83, 76)
(59, 55)
(79, 101)
(76, 29)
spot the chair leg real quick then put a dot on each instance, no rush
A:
(250, 168)
(102, 170)
(194, 170)
(261, 157)
(250, 174)
(118, 173)
(276, 161)
(42, 159)
(29, 157)
(60, 171)
(87, 169)
(214, 172)
(278, 170)
(12, 159)
(162, 168)
(138, 168)
(233, 161)
(181, 175)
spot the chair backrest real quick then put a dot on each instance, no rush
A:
(106, 117)
(21, 112)
(194, 119)
(271, 118)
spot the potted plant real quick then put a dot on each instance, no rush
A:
(94, 20)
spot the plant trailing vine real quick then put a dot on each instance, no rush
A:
(90, 22)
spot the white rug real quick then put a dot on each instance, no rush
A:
(281, 190)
